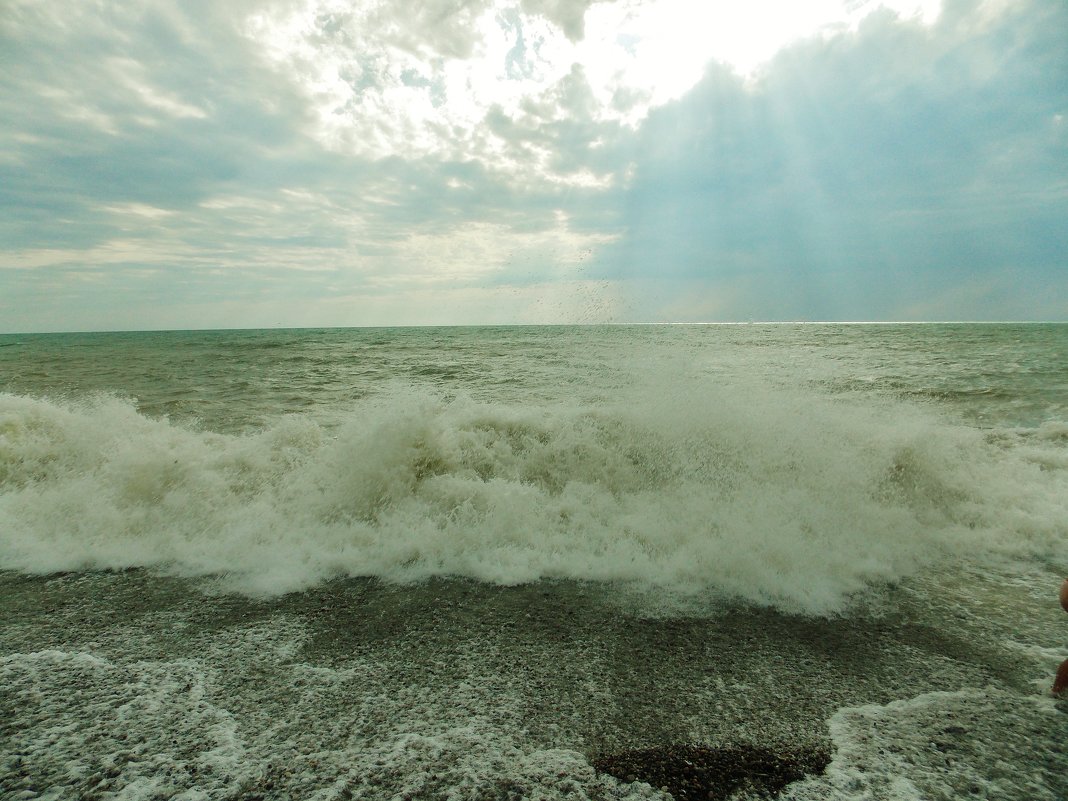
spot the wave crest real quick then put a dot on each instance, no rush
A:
(792, 499)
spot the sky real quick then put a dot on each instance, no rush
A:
(261, 163)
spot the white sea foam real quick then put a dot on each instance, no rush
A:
(774, 496)
(94, 721)
(937, 745)
(181, 729)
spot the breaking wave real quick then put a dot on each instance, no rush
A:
(772, 496)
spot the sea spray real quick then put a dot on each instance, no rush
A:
(790, 498)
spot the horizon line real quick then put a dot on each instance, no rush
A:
(532, 325)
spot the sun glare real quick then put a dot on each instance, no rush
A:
(664, 47)
(377, 96)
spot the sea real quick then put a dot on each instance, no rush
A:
(809, 561)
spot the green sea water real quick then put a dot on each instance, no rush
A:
(469, 562)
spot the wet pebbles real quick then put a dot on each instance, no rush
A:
(702, 772)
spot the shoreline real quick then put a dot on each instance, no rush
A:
(530, 677)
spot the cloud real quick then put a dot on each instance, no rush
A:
(126, 103)
(178, 113)
(506, 85)
(568, 15)
(864, 173)
(524, 160)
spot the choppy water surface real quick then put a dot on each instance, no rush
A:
(370, 563)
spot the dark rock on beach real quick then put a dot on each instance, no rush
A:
(704, 772)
